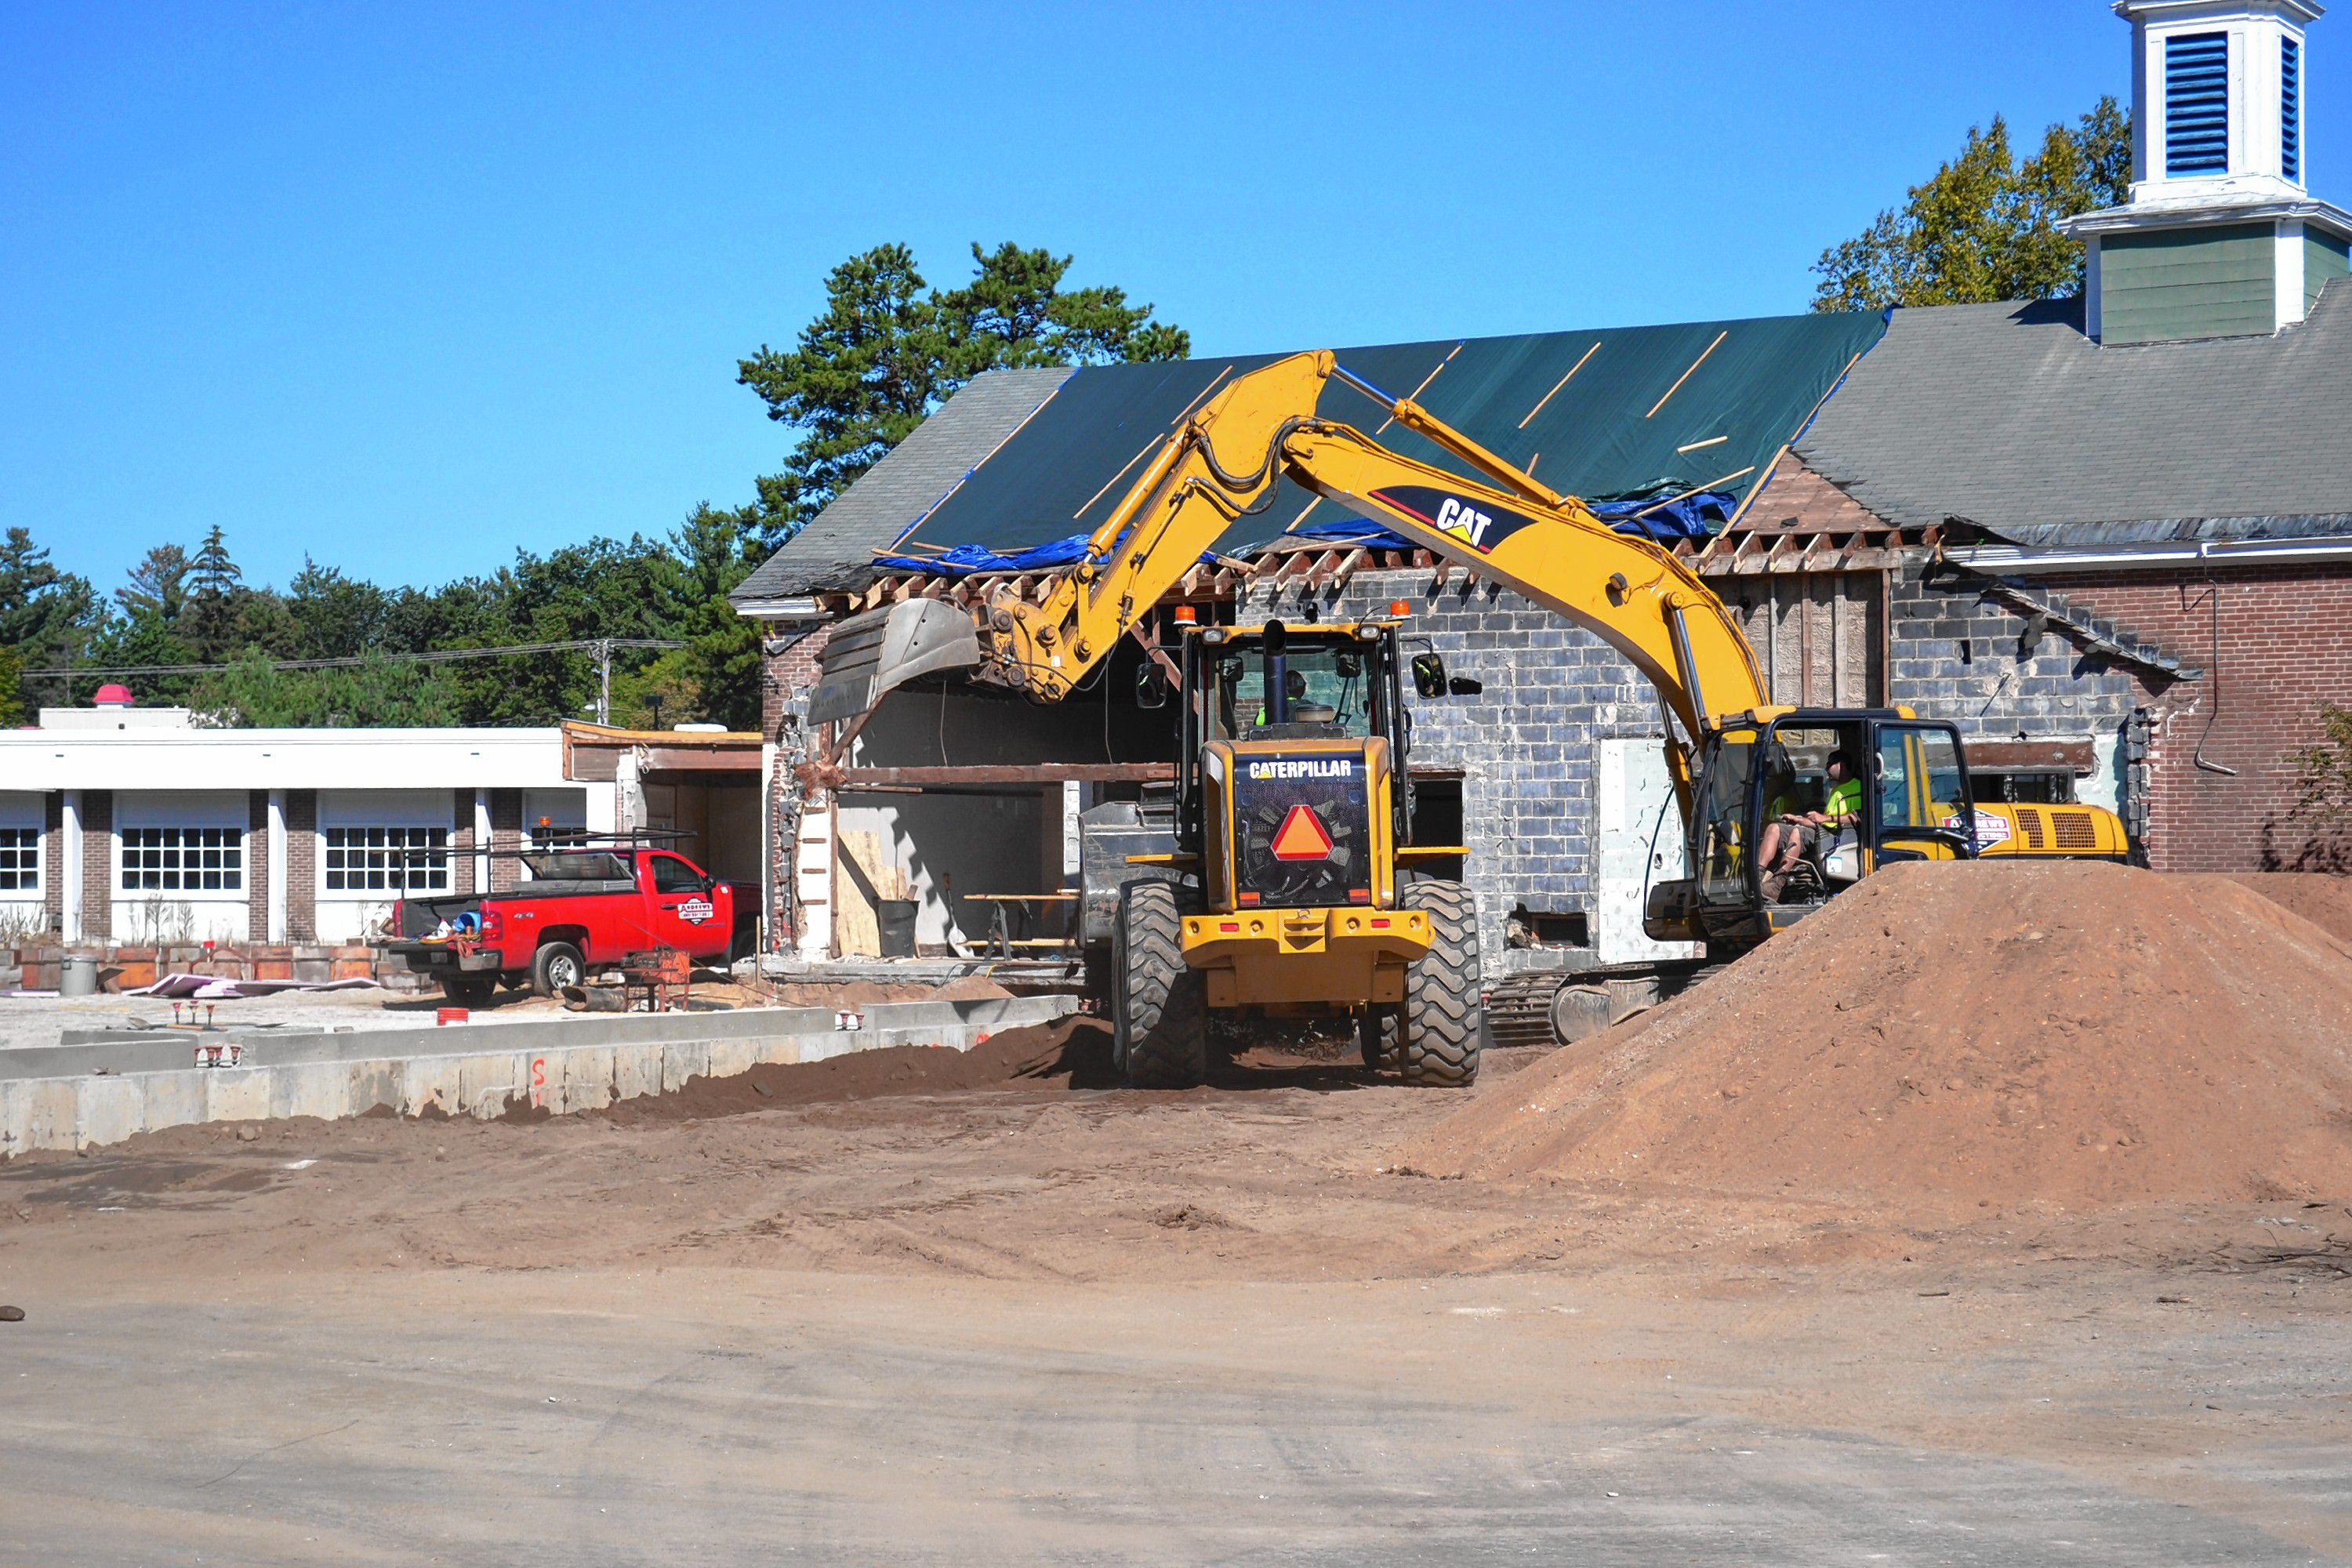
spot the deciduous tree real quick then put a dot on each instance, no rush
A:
(1984, 227)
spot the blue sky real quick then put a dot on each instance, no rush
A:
(405, 287)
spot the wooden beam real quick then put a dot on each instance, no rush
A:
(1024, 773)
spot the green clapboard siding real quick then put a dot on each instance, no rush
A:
(2218, 282)
(2324, 256)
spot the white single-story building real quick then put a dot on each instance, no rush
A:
(133, 826)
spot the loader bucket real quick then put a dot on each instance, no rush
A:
(871, 654)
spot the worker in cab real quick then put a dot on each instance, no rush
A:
(1791, 835)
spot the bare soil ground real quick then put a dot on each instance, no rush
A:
(912, 1307)
(1034, 1321)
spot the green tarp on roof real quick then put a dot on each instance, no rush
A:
(1609, 413)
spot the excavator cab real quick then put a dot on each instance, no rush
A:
(1902, 783)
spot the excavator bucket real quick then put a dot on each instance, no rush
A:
(880, 650)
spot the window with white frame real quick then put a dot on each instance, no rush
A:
(387, 859)
(183, 859)
(20, 859)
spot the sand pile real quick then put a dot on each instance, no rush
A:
(2074, 1033)
(2324, 902)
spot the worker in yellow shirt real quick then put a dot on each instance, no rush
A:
(1791, 835)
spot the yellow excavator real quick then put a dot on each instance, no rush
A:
(1284, 884)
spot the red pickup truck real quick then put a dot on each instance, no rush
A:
(579, 910)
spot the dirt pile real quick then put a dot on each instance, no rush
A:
(2325, 901)
(2070, 1034)
(1073, 1052)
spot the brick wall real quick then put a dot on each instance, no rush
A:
(97, 865)
(788, 678)
(461, 841)
(302, 865)
(2285, 645)
(789, 674)
(506, 837)
(256, 866)
(53, 859)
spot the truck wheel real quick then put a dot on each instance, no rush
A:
(1160, 1033)
(471, 990)
(555, 966)
(1443, 1007)
(1376, 1039)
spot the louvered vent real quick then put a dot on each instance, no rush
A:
(2074, 830)
(2029, 822)
(2197, 104)
(2291, 109)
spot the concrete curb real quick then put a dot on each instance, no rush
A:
(58, 1100)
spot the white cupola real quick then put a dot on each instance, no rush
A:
(2220, 238)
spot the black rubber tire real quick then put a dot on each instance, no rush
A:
(1159, 1017)
(1376, 1039)
(556, 965)
(469, 989)
(1444, 1004)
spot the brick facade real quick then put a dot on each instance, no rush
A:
(302, 865)
(506, 837)
(53, 860)
(256, 866)
(789, 675)
(97, 865)
(2283, 645)
(461, 842)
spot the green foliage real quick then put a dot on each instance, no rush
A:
(889, 349)
(14, 710)
(2323, 772)
(1984, 227)
(250, 694)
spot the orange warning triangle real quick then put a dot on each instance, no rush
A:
(1301, 836)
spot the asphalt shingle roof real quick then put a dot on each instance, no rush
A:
(835, 550)
(2008, 416)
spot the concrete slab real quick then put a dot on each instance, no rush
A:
(683, 1060)
(107, 1110)
(58, 1111)
(428, 1085)
(636, 1071)
(488, 1085)
(171, 1098)
(311, 1089)
(238, 1094)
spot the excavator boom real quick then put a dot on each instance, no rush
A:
(1224, 462)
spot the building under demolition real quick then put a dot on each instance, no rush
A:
(2094, 533)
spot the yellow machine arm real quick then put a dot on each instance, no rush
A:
(1224, 463)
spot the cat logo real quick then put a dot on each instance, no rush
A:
(1464, 522)
(1482, 528)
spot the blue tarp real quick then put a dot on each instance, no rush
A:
(966, 558)
(1684, 517)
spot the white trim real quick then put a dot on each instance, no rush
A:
(278, 860)
(2288, 271)
(2029, 558)
(69, 867)
(481, 841)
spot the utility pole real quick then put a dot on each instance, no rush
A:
(604, 680)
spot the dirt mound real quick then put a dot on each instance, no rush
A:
(2071, 1034)
(2325, 901)
(1074, 1052)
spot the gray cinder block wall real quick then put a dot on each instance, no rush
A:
(1526, 745)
